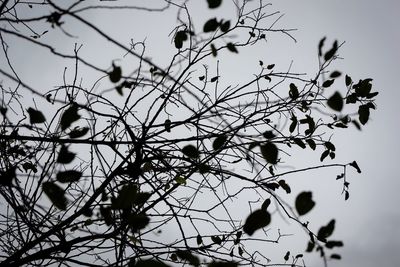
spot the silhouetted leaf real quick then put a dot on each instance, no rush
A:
(214, 79)
(270, 152)
(355, 166)
(78, 132)
(293, 124)
(214, 51)
(180, 37)
(330, 146)
(346, 195)
(211, 25)
(272, 186)
(256, 220)
(293, 91)
(69, 176)
(348, 80)
(335, 102)
(326, 231)
(268, 134)
(126, 197)
(320, 45)
(64, 156)
(69, 116)
(285, 186)
(336, 256)
(116, 74)
(363, 114)
(335, 74)
(332, 244)
(299, 142)
(225, 26)
(271, 66)
(219, 142)
(167, 125)
(29, 166)
(304, 203)
(310, 246)
(311, 143)
(214, 3)
(363, 88)
(372, 95)
(231, 47)
(328, 83)
(331, 52)
(189, 257)
(324, 155)
(55, 194)
(35, 116)
(190, 151)
(266, 204)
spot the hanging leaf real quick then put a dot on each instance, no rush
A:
(332, 51)
(214, 79)
(190, 151)
(304, 202)
(55, 194)
(180, 37)
(311, 143)
(293, 91)
(211, 25)
(293, 125)
(167, 125)
(69, 116)
(214, 3)
(214, 51)
(355, 166)
(271, 66)
(35, 116)
(272, 186)
(336, 256)
(69, 176)
(126, 197)
(363, 114)
(116, 74)
(256, 220)
(231, 47)
(64, 156)
(335, 102)
(299, 142)
(285, 186)
(225, 26)
(324, 155)
(270, 152)
(219, 142)
(348, 80)
(326, 231)
(320, 45)
(78, 132)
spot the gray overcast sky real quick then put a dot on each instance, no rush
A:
(369, 222)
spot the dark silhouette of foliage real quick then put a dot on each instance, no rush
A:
(94, 175)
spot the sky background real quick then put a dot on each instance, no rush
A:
(369, 222)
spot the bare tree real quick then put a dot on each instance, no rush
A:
(93, 175)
